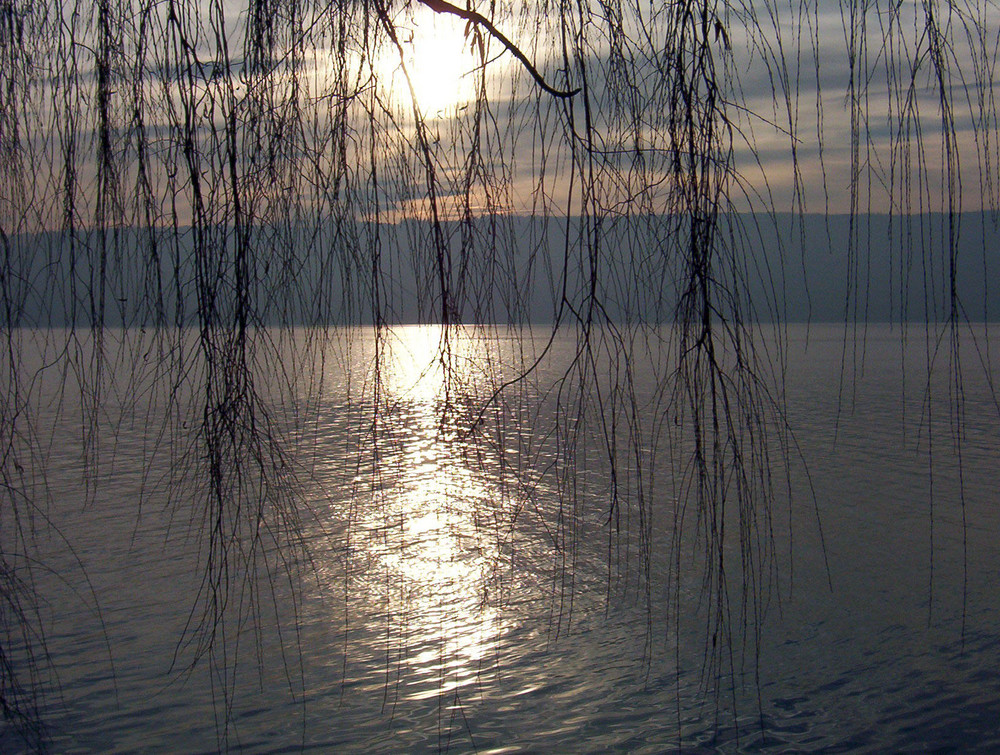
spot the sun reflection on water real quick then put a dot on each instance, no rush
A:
(436, 533)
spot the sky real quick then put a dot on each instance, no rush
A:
(787, 75)
(159, 121)
(790, 73)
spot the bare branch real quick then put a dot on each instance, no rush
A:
(441, 6)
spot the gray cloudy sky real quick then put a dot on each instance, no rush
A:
(787, 87)
(789, 84)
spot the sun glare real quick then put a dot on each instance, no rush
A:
(416, 372)
(438, 62)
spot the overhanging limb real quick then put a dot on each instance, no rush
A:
(442, 6)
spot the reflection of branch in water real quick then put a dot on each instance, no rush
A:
(441, 6)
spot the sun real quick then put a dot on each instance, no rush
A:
(437, 61)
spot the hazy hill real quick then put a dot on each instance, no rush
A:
(512, 269)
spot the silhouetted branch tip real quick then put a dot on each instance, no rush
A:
(441, 6)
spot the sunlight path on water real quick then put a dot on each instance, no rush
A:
(435, 533)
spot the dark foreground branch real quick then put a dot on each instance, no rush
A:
(441, 6)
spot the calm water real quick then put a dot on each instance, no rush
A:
(459, 598)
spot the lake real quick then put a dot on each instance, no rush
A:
(457, 575)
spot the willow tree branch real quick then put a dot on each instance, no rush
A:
(442, 6)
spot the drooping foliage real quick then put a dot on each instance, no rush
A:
(188, 186)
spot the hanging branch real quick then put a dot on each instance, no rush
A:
(441, 6)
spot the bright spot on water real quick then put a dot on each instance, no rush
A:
(435, 530)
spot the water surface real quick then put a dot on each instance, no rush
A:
(463, 593)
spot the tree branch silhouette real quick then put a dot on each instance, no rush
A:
(221, 218)
(441, 6)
